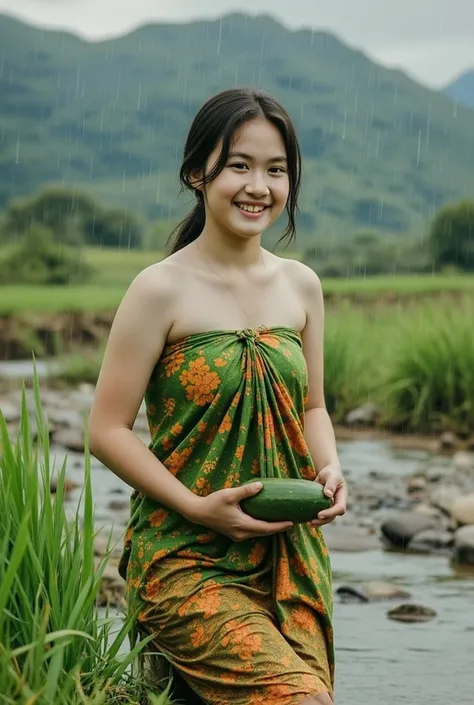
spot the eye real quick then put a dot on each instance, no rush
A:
(238, 165)
(278, 170)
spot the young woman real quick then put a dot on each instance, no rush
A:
(225, 342)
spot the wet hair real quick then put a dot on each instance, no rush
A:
(218, 121)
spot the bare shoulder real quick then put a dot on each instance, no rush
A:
(302, 278)
(155, 283)
(147, 308)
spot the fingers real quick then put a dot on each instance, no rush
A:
(253, 527)
(337, 509)
(331, 482)
(237, 494)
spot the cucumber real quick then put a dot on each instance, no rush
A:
(283, 499)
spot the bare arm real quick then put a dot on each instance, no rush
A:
(136, 341)
(319, 432)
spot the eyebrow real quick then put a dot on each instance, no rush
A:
(243, 155)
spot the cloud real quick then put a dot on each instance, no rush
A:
(432, 39)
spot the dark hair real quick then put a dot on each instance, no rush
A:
(218, 119)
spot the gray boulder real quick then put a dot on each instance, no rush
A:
(398, 530)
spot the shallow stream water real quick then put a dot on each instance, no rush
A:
(379, 661)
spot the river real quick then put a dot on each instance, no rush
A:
(379, 661)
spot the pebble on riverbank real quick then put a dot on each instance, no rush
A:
(412, 614)
(372, 591)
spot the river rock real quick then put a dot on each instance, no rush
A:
(431, 540)
(470, 444)
(439, 474)
(372, 591)
(411, 613)
(10, 412)
(444, 496)
(416, 484)
(464, 461)
(101, 547)
(448, 441)
(119, 505)
(112, 589)
(67, 418)
(428, 511)
(399, 529)
(69, 485)
(349, 538)
(82, 397)
(365, 415)
(464, 545)
(72, 439)
(462, 510)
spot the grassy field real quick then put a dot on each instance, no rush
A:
(115, 269)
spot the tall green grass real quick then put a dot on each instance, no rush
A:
(429, 384)
(346, 384)
(417, 363)
(55, 648)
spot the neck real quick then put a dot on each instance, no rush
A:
(225, 249)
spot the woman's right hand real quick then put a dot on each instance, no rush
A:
(221, 512)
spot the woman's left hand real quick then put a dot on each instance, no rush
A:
(334, 487)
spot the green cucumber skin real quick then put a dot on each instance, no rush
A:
(284, 499)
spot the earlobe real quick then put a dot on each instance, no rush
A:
(195, 180)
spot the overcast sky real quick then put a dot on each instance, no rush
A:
(433, 40)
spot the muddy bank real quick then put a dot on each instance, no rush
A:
(51, 334)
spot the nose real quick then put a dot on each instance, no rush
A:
(257, 185)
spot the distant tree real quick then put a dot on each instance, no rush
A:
(367, 253)
(60, 210)
(73, 218)
(40, 259)
(451, 236)
(111, 228)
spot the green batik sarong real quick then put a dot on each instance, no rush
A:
(244, 623)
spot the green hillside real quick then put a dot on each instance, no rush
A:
(462, 89)
(380, 151)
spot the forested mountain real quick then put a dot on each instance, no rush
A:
(462, 89)
(380, 150)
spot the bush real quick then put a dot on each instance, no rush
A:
(38, 259)
(452, 236)
(74, 218)
(368, 254)
(54, 647)
(429, 384)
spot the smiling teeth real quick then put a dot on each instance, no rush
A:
(251, 209)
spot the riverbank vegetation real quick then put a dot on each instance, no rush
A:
(414, 363)
(55, 644)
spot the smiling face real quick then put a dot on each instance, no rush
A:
(252, 190)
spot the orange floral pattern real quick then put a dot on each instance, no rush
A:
(200, 381)
(251, 622)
